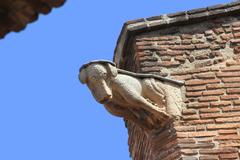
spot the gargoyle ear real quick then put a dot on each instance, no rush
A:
(82, 76)
(112, 70)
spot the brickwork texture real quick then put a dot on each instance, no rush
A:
(206, 56)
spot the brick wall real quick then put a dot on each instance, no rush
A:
(206, 56)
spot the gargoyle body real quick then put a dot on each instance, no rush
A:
(146, 101)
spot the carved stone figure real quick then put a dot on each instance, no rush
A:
(148, 100)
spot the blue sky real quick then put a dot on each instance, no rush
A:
(45, 113)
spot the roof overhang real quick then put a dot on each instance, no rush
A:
(16, 14)
(135, 27)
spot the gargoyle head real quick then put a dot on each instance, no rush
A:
(97, 75)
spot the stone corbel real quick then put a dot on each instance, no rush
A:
(150, 101)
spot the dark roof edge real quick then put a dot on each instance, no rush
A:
(13, 23)
(131, 28)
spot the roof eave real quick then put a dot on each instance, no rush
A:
(15, 17)
(132, 28)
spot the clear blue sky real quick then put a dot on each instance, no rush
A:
(45, 113)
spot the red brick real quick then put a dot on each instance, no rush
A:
(229, 144)
(143, 54)
(204, 139)
(218, 30)
(181, 59)
(213, 93)
(228, 74)
(182, 47)
(161, 38)
(167, 42)
(220, 104)
(232, 63)
(235, 41)
(215, 86)
(190, 117)
(200, 127)
(232, 85)
(217, 151)
(228, 109)
(141, 48)
(189, 152)
(225, 120)
(189, 111)
(218, 115)
(186, 36)
(209, 110)
(229, 156)
(150, 69)
(201, 82)
(237, 102)
(202, 46)
(195, 82)
(227, 137)
(145, 43)
(202, 57)
(199, 70)
(193, 94)
(231, 69)
(233, 91)
(211, 38)
(236, 35)
(182, 135)
(198, 105)
(202, 121)
(235, 24)
(186, 140)
(185, 128)
(236, 29)
(171, 53)
(147, 58)
(199, 145)
(205, 75)
(229, 97)
(166, 38)
(207, 99)
(223, 126)
(169, 64)
(202, 134)
(192, 71)
(196, 88)
(227, 132)
(226, 36)
(209, 157)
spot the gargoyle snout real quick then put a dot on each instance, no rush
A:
(101, 91)
(105, 99)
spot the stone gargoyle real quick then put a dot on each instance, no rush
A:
(148, 100)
